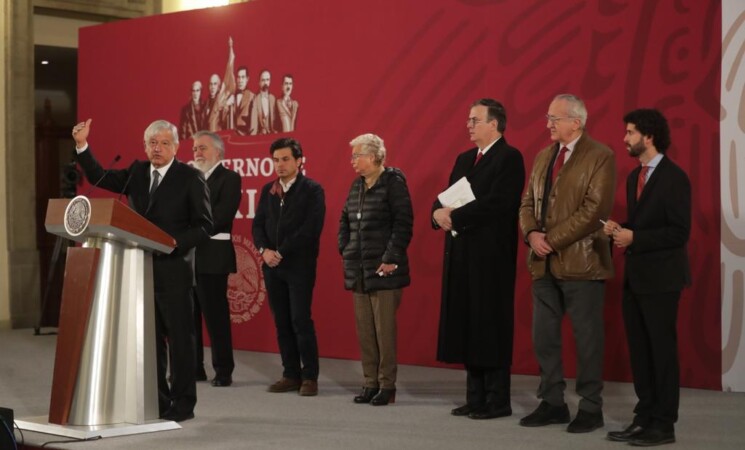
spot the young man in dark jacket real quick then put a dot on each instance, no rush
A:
(286, 230)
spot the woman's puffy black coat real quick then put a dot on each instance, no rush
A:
(376, 227)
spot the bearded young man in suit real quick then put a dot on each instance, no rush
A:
(215, 259)
(654, 236)
(173, 196)
(478, 280)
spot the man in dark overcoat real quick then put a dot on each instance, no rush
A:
(478, 282)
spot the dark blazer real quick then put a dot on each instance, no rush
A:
(657, 260)
(180, 207)
(292, 226)
(218, 256)
(479, 268)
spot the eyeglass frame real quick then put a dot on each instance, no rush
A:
(553, 119)
(356, 156)
(473, 121)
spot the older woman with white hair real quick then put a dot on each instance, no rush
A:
(374, 232)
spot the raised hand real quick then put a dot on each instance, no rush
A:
(80, 133)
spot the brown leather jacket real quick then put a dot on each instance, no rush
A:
(582, 195)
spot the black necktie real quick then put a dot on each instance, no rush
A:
(154, 186)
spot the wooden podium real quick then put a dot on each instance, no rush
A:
(105, 381)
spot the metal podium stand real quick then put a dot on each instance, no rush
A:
(105, 381)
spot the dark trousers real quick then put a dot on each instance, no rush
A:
(174, 332)
(212, 303)
(650, 322)
(583, 302)
(290, 292)
(487, 386)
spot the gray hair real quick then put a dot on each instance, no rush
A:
(216, 141)
(158, 126)
(577, 109)
(371, 144)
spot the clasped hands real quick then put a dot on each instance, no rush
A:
(622, 237)
(441, 216)
(539, 244)
(272, 258)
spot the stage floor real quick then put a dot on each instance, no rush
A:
(245, 415)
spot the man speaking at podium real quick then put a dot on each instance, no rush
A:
(173, 196)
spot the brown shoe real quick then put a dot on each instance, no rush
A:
(309, 388)
(285, 385)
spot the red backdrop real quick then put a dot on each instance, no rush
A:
(409, 73)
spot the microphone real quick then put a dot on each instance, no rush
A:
(106, 172)
(125, 186)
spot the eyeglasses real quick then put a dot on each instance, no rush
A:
(554, 119)
(357, 155)
(473, 121)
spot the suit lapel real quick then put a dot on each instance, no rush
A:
(138, 196)
(214, 180)
(631, 193)
(487, 158)
(164, 183)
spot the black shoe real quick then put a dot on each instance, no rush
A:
(222, 381)
(177, 416)
(384, 397)
(200, 375)
(366, 395)
(465, 410)
(625, 435)
(546, 414)
(586, 422)
(651, 437)
(491, 411)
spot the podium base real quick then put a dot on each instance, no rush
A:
(41, 424)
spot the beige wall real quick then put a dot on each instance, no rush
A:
(4, 266)
(184, 5)
(58, 31)
(732, 172)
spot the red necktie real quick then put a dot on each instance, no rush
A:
(641, 181)
(559, 163)
(478, 157)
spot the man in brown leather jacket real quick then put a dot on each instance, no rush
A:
(571, 189)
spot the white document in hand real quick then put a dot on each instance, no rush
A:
(457, 195)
